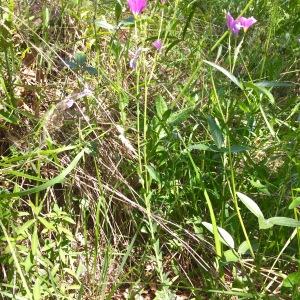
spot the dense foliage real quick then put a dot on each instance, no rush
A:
(149, 149)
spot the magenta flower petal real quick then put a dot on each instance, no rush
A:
(157, 44)
(246, 22)
(232, 24)
(137, 6)
(235, 25)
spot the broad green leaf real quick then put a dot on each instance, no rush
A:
(216, 132)
(58, 179)
(201, 147)
(243, 247)
(264, 224)
(105, 25)
(231, 256)
(118, 10)
(293, 279)
(180, 116)
(225, 237)
(237, 149)
(91, 70)
(161, 106)
(80, 58)
(153, 173)
(126, 22)
(283, 221)
(295, 203)
(226, 73)
(251, 205)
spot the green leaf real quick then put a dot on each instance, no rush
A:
(261, 89)
(180, 116)
(236, 149)
(293, 279)
(264, 224)
(91, 70)
(127, 22)
(225, 237)
(37, 290)
(283, 221)
(231, 256)
(243, 247)
(226, 73)
(29, 263)
(216, 132)
(251, 205)
(8, 117)
(47, 224)
(153, 173)
(118, 10)
(105, 25)
(58, 179)
(295, 203)
(272, 84)
(80, 58)
(161, 106)
(201, 147)
(21, 230)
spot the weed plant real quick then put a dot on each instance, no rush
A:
(148, 150)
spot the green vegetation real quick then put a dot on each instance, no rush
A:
(133, 172)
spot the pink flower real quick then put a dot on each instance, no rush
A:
(137, 6)
(157, 44)
(246, 22)
(235, 25)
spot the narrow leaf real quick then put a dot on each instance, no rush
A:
(226, 73)
(261, 89)
(216, 132)
(58, 179)
(34, 242)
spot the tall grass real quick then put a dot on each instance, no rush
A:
(175, 178)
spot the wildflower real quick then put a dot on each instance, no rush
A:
(137, 6)
(232, 24)
(246, 22)
(133, 61)
(157, 44)
(235, 25)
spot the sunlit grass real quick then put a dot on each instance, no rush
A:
(152, 154)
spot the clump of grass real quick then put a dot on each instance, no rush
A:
(149, 153)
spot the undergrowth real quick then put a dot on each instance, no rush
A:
(149, 156)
